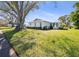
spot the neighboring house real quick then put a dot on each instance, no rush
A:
(6, 23)
(3, 23)
(38, 23)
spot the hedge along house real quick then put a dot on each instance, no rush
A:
(41, 24)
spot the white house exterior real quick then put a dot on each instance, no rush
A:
(42, 24)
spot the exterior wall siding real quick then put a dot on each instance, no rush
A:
(38, 24)
(45, 24)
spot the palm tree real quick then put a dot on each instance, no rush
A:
(19, 10)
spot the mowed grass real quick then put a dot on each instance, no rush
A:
(4, 29)
(42, 43)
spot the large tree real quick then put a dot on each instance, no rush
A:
(18, 9)
(74, 16)
(64, 21)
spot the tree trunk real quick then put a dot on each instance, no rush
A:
(19, 26)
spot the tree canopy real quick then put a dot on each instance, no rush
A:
(74, 16)
(18, 9)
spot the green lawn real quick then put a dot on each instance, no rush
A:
(48, 43)
(6, 28)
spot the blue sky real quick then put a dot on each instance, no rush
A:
(50, 12)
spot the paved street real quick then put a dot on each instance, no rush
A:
(5, 49)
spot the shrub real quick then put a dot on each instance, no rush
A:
(45, 28)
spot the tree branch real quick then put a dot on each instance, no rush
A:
(8, 12)
(29, 8)
(13, 9)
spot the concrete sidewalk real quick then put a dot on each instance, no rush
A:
(5, 49)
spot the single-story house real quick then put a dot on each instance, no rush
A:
(39, 23)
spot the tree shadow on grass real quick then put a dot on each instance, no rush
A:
(8, 35)
(17, 43)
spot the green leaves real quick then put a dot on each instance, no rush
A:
(76, 5)
(74, 16)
